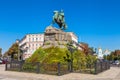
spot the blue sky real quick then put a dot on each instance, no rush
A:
(96, 22)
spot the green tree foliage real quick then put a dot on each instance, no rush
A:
(5, 54)
(0, 52)
(90, 59)
(13, 51)
(79, 57)
(115, 55)
(111, 57)
(62, 55)
(48, 55)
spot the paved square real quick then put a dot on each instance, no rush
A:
(112, 74)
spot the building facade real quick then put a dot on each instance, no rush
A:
(30, 43)
(84, 47)
(106, 52)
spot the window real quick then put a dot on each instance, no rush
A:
(29, 45)
(33, 39)
(36, 39)
(29, 39)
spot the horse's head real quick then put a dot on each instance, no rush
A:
(56, 13)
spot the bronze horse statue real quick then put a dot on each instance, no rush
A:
(59, 19)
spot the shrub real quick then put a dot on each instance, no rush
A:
(54, 55)
(29, 67)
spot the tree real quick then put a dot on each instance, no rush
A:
(48, 55)
(5, 54)
(0, 52)
(79, 57)
(90, 59)
(85, 47)
(112, 56)
(115, 55)
(13, 51)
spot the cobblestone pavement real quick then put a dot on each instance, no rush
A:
(112, 74)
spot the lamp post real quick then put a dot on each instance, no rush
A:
(71, 49)
(22, 51)
(18, 41)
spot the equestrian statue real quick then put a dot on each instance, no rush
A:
(59, 19)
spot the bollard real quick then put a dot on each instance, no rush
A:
(101, 65)
(59, 69)
(6, 66)
(38, 67)
(69, 66)
(20, 65)
(95, 66)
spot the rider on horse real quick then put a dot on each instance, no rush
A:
(59, 19)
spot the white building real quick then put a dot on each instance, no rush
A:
(73, 37)
(100, 53)
(107, 52)
(31, 42)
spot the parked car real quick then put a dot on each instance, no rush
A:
(111, 62)
(1, 61)
(4, 61)
(117, 62)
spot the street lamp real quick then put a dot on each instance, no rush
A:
(18, 41)
(71, 49)
(22, 51)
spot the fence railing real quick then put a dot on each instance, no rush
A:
(84, 68)
(115, 65)
(101, 66)
(57, 68)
